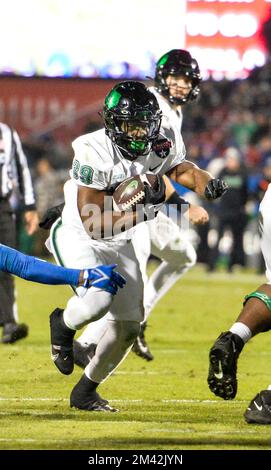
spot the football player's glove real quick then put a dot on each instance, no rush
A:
(215, 188)
(154, 199)
(104, 277)
(155, 196)
(50, 216)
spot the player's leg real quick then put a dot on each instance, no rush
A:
(12, 331)
(142, 245)
(79, 310)
(84, 346)
(255, 317)
(123, 325)
(178, 256)
(237, 226)
(170, 244)
(110, 352)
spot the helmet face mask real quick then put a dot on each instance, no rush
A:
(138, 135)
(177, 63)
(132, 118)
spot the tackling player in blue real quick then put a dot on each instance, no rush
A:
(37, 270)
(33, 269)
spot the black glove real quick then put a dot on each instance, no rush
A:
(50, 216)
(155, 196)
(215, 188)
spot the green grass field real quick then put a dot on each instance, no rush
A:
(164, 404)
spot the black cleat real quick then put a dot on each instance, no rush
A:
(140, 346)
(259, 409)
(223, 365)
(61, 342)
(85, 398)
(12, 332)
(83, 354)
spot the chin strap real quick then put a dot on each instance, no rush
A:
(261, 296)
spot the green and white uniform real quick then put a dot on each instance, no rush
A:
(161, 237)
(99, 164)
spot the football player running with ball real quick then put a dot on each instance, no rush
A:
(177, 81)
(102, 159)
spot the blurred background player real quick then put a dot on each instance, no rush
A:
(254, 318)
(231, 209)
(102, 159)
(14, 177)
(177, 80)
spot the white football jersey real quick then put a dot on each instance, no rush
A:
(99, 164)
(171, 117)
(265, 231)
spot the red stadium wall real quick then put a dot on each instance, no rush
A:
(33, 105)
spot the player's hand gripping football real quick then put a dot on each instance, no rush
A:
(215, 188)
(155, 195)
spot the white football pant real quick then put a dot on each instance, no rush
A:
(164, 239)
(73, 248)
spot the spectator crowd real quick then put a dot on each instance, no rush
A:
(227, 131)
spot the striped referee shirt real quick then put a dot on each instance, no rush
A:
(14, 171)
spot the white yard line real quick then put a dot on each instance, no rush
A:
(155, 349)
(30, 440)
(46, 348)
(163, 400)
(209, 433)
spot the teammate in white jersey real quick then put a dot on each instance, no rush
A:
(102, 159)
(254, 318)
(177, 80)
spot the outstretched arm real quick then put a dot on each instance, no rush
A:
(203, 183)
(37, 270)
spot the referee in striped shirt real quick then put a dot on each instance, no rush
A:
(14, 176)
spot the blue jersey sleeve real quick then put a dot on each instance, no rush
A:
(34, 269)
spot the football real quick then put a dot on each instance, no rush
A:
(131, 191)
